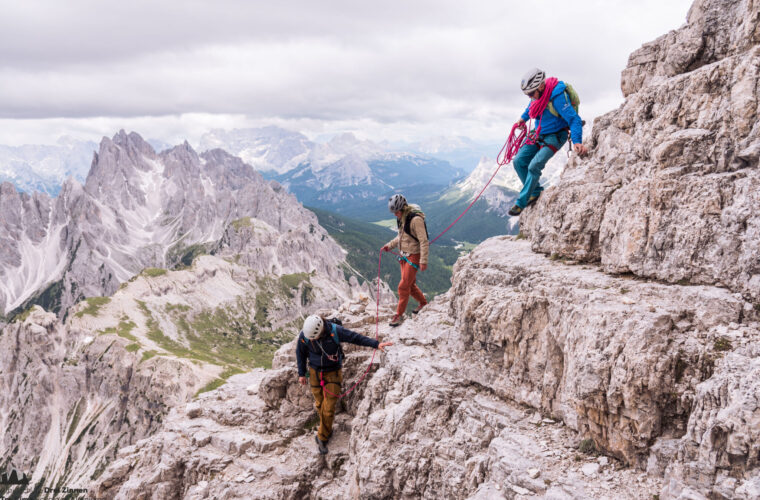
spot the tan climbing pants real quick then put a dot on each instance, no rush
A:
(325, 400)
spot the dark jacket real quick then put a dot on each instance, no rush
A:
(310, 349)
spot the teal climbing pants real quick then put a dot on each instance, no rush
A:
(530, 162)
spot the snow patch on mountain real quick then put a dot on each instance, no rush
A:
(44, 167)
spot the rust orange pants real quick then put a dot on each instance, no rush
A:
(408, 284)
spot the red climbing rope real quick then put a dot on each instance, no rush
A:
(377, 335)
(508, 151)
(537, 108)
(516, 138)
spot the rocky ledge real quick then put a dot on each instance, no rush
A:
(531, 376)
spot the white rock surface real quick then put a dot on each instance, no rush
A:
(671, 190)
(436, 418)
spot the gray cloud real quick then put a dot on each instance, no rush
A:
(418, 63)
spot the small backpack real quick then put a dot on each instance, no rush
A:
(571, 95)
(414, 212)
(336, 339)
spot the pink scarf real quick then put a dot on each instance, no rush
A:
(538, 106)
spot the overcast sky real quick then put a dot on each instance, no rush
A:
(385, 70)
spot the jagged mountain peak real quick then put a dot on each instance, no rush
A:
(138, 209)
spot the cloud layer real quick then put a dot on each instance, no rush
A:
(419, 66)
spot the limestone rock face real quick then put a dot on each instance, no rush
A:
(498, 388)
(705, 39)
(419, 427)
(141, 209)
(671, 189)
(71, 400)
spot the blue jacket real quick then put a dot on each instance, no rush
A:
(310, 349)
(567, 116)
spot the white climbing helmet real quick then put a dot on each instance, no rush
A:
(312, 327)
(532, 80)
(396, 203)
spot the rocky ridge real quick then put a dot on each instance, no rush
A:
(636, 333)
(139, 209)
(501, 362)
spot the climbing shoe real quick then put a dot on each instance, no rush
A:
(418, 308)
(396, 320)
(515, 210)
(321, 445)
(533, 199)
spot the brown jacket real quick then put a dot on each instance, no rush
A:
(406, 243)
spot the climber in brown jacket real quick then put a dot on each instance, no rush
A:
(412, 241)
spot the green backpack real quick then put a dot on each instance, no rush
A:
(571, 96)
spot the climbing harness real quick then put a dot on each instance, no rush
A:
(334, 334)
(401, 258)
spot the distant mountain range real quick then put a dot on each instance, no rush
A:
(140, 209)
(44, 168)
(343, 175)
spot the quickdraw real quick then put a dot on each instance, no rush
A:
(402, 258)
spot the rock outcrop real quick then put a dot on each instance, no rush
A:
(509, 384)
(421, 427)
(70, 399)
(672, 188)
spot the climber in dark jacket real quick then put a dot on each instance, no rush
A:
(316, 343)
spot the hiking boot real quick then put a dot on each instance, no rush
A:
(419, 307)
(321, 445)
(515, 210)
(396, 320)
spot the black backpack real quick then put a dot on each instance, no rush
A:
(415, 212)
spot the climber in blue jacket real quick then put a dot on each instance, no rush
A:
(553, 132)
(319, 343)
